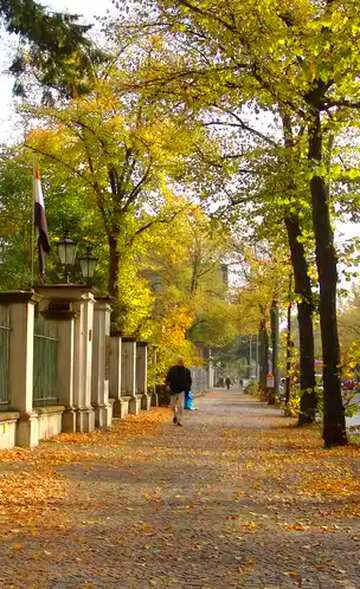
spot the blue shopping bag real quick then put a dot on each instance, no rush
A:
(188, 401)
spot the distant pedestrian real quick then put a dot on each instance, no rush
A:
(227, 382)
(178, 379)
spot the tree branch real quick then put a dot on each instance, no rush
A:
(240, 123)
(155, 221)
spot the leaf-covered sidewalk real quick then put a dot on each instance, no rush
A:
(236, 498)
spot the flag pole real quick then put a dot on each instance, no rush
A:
(40, 226)
(33, 225)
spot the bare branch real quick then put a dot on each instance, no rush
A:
(157, 220)
(137, 188)
(240, 123)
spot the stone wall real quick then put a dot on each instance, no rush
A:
(92, 376)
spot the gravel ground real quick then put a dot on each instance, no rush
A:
(237, 498)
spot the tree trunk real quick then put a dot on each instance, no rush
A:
(274, 317)
(308, 400)
(264, 354)
(302, 289)
(249, 359)
(334, 430)
(289, 346)
(113, 280)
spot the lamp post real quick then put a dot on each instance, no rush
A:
(225, 274)
(88, 265)
(2, 251)
(250, 357)
(67, 254)
(156, 283)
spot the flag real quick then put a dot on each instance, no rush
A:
(40, 222)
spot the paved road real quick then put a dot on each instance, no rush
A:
(237, 498)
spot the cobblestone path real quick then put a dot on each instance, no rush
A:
(237, 498)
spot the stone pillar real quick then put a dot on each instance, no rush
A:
(211, 372)
(120, 408)
(83, 343)
(21, 362)
(66, 329)
(128, 374)
(154, 394)
(141, 374)
(100, 376)
(73, 305)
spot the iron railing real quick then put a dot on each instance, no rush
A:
(45, 361)
(4, 355)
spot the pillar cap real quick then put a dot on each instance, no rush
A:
(104, 299)
(115, 333)
(68, 292)
(19, 296)
(67, 285)
(103, 303)
(59, 315)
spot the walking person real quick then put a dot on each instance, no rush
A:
(178, 380)
(227, 382)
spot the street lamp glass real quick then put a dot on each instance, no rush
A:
(88, 264)
(157, 284)
(67, 251)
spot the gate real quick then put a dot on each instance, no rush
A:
(45, 362)
(4, 355)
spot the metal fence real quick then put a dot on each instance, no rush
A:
(200, 380)
(4, 355)
(45, 361)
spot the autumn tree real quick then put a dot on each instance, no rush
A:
(183, 266)
(261, 297)
(192, 78)
(122, 149)
(275, 56)
(66, 210)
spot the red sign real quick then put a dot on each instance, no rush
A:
(270, 381)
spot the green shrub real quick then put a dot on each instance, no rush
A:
(292, 409)
(253, 389)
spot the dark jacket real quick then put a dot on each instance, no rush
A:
(178, 379)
